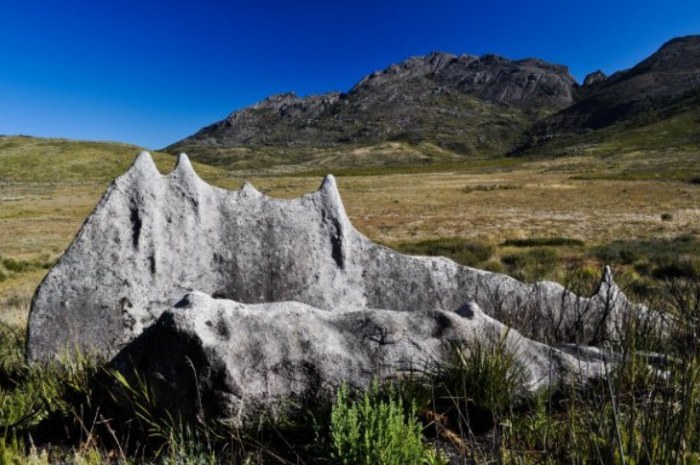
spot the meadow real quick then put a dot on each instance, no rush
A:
(532, 217)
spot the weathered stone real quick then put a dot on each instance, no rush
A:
(154, 238)
(227, 360)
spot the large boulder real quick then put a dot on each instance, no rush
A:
(154, 238)
(222, 359)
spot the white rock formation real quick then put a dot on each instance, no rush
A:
(154, 238)
(233, 361)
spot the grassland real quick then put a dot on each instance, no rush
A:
(532, 217)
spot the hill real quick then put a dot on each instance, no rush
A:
(45, 160)
(661, 93)
(443, 106)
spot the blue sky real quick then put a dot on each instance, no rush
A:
(152, 72)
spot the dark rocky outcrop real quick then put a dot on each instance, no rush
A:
(463, 103)
(596, 77)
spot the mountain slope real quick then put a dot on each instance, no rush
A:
(660, 87)
(440, 108)
(460, 104)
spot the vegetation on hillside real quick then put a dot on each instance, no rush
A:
(38, 160)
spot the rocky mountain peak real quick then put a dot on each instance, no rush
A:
(679, 53)
(463, 103)
(277, 101)
(664, 78)
(594, 78)
(406, 100)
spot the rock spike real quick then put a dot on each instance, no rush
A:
(329, 185)
(248, 190)
(340, 221)
(144, 164)
(329, 189)
(608, 290)
(184, 164)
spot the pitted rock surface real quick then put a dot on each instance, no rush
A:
(231, 361)
(154, 238)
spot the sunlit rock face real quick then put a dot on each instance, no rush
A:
(217, 358)
(153, 238)
(271, 293)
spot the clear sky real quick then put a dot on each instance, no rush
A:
(152, 72)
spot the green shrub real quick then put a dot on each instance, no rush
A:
(13, 265)
(675, 269)
(655, 252)
(375, 431)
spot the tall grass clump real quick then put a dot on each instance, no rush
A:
(477, 388)
(44, 403)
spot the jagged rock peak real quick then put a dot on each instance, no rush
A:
(329, 186)
(277, 100)
(594, 78)
(608, 288)
(681, 43)
(184, 170)
(249, 191)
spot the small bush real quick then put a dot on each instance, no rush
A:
(494, 266)
(12, 265)
(375, 431)
(656, 252)
(490, 187)
(677, 269)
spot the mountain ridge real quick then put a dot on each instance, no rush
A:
(466, 105)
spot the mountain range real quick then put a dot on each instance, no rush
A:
(445, 107)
